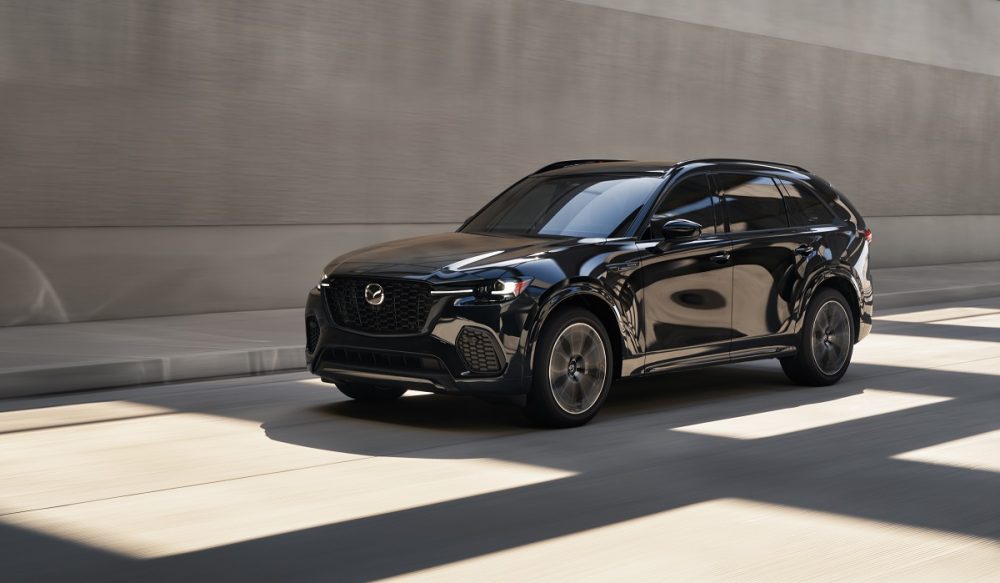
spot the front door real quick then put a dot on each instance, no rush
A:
(687, 286)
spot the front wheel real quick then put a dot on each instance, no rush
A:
(369, 393)
(572, 370)
(825, 343)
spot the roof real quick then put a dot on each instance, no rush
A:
(568, 167)
(591, 166)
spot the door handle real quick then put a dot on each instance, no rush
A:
(804, 249)
(623, 266)
(721, 258)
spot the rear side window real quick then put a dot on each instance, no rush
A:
(690, 199)
(752, 202)
(804, 207)
(841, 206)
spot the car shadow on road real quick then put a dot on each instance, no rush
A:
(419, 425)
(628, 396)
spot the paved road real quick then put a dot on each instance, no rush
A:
(729, 473)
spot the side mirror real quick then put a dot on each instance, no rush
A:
(680, 230)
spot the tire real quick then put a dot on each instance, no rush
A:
(825, 343)
(369, 393)
(572, 371)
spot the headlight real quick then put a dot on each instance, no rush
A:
(502, 290)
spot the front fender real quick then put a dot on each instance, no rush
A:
(625, 318)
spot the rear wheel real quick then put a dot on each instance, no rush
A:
(369, 393)
(826, 342)
(572, 370)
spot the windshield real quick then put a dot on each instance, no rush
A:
(568, 206)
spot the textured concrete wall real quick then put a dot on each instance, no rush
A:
(957, 34)
(338, 123)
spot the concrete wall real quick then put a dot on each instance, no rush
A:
(196, 155)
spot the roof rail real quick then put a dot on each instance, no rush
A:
(780, 164)
(568, 163)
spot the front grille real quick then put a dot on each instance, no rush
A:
(478, 350)
(403, 310)
(384, 360)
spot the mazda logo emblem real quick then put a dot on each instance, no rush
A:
(374, 294)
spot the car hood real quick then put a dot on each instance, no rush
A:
(447, 255)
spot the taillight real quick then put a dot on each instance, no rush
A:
(867, 234)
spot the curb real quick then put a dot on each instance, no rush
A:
(935, 296)
(106, 374)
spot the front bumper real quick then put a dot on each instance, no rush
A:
(430, 360)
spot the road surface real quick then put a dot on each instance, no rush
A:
(728, 473)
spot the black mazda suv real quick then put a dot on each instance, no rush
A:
(591, 270)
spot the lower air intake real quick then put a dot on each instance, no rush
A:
(478, 350)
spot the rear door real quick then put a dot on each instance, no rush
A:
(817, 233)
(770, 258)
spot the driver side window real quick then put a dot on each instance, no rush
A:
(691, 199)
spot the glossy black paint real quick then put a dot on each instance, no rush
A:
(710, 299)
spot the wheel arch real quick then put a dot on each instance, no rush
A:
(588, 297)
(843, 284)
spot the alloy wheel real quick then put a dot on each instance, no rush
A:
(577, 368)
(831, 337)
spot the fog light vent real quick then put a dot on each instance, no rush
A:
(312, 334)
(478, 350)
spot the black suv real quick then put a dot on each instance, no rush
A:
(591, 270)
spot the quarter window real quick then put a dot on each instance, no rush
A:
(752, 202)
(804, 207)
(691, 199)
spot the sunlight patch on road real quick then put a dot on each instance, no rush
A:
(978, 322)
(50, 417)
(736, 540)
(146, 481)
(869, 403)
(121, 457)
(942, 315)
(979, 452)
(318, 382)
(314, 381)
(182, 520)
(921, 352)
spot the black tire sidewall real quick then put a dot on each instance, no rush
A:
(542, 405)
